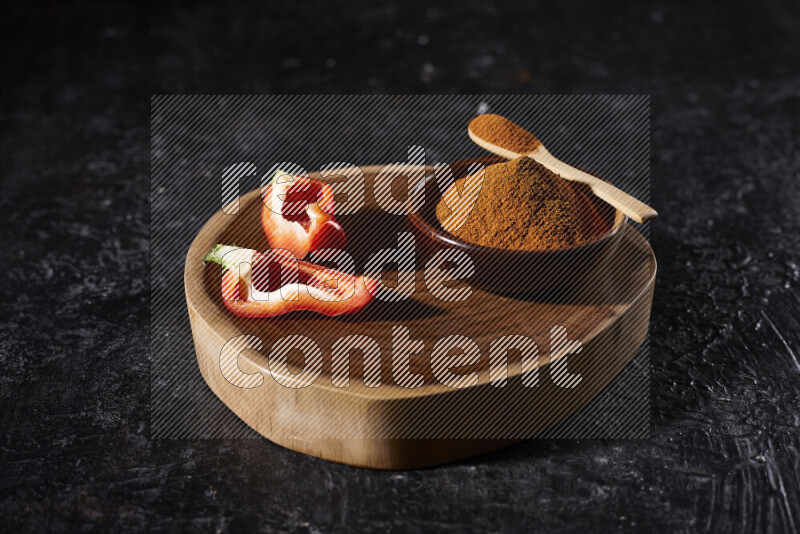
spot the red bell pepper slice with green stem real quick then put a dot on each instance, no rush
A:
(298, 215)
(251, 289)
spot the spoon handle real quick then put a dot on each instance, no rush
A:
(633, 208)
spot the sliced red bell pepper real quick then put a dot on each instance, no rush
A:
(298, 215)
(312, 287)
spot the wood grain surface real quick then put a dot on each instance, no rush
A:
(368, 426)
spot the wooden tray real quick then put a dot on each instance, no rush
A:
(370, 427)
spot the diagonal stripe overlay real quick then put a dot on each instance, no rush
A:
(209, 151)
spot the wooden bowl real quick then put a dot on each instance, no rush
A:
(393, 427)
(521, 271)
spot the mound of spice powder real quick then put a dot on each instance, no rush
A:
(521, 206)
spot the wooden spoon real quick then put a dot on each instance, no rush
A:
(485, 130)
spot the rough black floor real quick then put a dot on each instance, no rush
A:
(75, 452)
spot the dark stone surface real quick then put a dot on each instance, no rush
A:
(75, 452)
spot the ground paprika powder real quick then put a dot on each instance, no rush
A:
(522, 206)
(504, 133)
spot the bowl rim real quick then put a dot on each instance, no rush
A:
(438, 234)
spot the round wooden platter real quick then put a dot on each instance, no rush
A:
(395, 427)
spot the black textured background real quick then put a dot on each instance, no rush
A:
(75, 451)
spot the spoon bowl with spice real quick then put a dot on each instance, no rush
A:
(524, 229)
